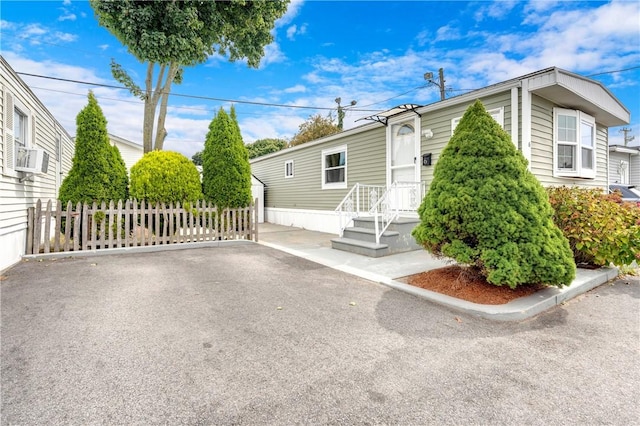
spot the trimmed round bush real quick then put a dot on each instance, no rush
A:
(165, 177)
(485, 209)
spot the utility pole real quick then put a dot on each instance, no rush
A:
(627, 138)
(440, 82)
(341, 112)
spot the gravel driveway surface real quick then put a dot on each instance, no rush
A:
(251, 335)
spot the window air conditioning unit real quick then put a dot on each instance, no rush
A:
(32, 160)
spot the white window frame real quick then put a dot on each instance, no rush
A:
(578, 170)
(288, 169)
(327, 152)
(24, 130)
(495, 113)
(11, 104)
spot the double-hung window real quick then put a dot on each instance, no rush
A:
(20, 124)
(334, 168)
(574, 144)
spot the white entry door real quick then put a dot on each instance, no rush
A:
(403, 165)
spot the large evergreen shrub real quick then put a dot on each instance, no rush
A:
(96, 173)
(485, 209)
(226, 173)
(165, 177)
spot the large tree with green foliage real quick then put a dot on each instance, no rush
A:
(98, 172)
(484, 208)
(316, 127)
(265, 146)
(226, 174)
(170, 35)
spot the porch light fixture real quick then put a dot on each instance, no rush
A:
(427, 133)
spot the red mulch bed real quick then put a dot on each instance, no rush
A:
(464, 283)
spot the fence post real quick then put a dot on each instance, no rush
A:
(47, 227)
(37, 227)
(256, 207)
(30, 214)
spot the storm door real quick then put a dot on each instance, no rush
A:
(403, 165)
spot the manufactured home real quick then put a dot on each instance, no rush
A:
(624, 165)
(378, 172)
(130, 151)
(36, 153)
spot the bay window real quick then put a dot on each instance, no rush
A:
(574, 144)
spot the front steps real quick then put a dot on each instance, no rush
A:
(361, 239)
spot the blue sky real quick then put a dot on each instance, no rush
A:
(374, 52)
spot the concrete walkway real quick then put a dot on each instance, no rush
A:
(316, 247)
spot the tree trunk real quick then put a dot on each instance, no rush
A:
(150, 104)
(161, 132)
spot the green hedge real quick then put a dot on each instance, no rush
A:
(600, 228)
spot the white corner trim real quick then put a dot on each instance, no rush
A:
(514, 116)
(526, 122)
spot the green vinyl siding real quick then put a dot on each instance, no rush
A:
(366, 164)
(439, 121)
(542, 148)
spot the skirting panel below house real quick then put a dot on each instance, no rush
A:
(313, 220)
(12, 248)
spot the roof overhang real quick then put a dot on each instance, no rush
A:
(625, 149)
(576, 92)
(383, 117)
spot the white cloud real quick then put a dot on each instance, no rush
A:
(294, 31)
(298, 88)
(292, 11)
(447, 32)
(291, 32)
(272, 54)
(67, 17)
(33, 30)
(496, 9)
(6, 25)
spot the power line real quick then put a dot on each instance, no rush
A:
(613, 72)
(190, 96)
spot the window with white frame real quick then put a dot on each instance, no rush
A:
(288, 169)
(20, 126)
(574, 144)
(496, 113)
(334, 168)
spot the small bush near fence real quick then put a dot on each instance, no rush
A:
(131, 223)
(600, 228)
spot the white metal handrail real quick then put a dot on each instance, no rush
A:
(358, 202)
(400, 197)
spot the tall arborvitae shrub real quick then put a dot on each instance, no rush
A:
(226, 173)
(119, 175)
(96, 174)
(485, 209)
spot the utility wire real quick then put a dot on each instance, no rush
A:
(192, 96)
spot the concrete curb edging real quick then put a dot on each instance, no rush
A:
(519, 309)
(137, 249)
(516, 310)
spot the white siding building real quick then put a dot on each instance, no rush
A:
(35, 155)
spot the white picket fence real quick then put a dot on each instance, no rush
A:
(131, 223)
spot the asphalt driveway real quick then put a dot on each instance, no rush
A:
(247, 334)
